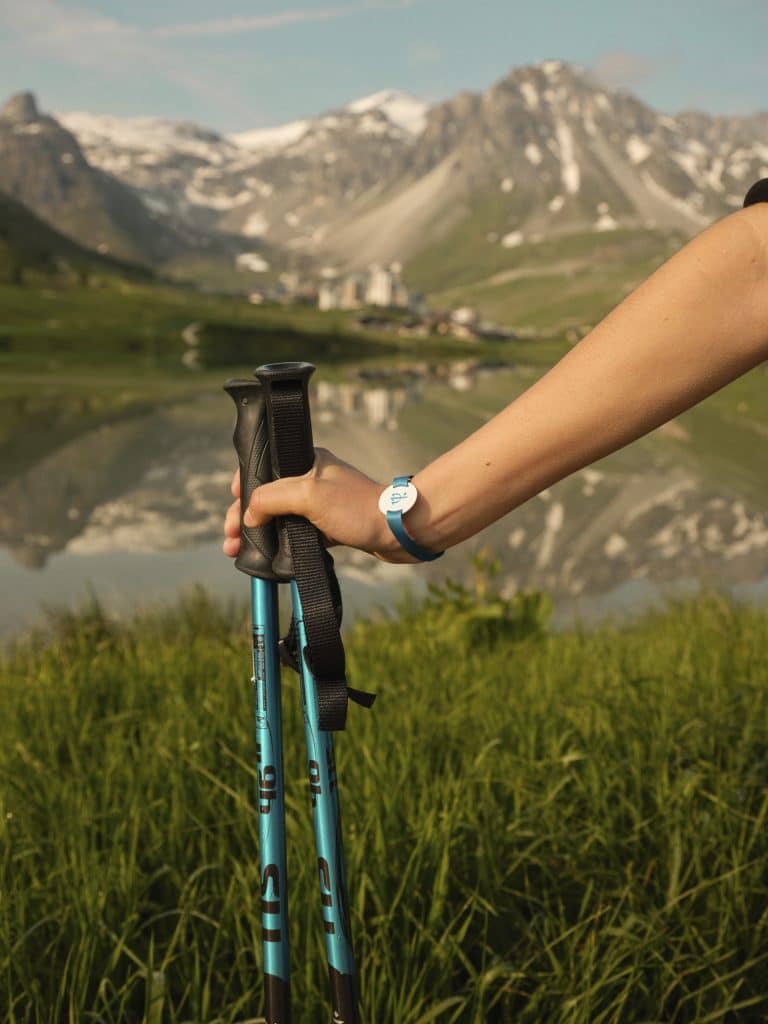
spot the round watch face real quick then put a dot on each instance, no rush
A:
(398, 499)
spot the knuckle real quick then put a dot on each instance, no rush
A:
(256, 500)
(305, 490)
(319, 464)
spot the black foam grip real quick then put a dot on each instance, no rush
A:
(296, 437)
(258, 545)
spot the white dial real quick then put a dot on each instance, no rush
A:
(398, 499)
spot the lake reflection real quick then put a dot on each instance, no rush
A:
(126, 500)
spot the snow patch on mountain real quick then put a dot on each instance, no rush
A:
(589, 123)
(530, 95)
(151, 136)
(252, 261)
(689, 163)
(637, 149)
(512, 240)
(605, 222)
(569, 169)
(156, 205)
(263, 140)
(256, 225)
(713, 175)
(264, 188)
(406, 112)
(217, 200)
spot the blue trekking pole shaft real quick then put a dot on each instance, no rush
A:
(326, 820)
(280, 381)
(271, 801)
(257, 550)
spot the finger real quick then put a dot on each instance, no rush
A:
(235, 485)
(231, 547)
(278, 498)
(232, 520)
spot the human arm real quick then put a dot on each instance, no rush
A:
(696, 324)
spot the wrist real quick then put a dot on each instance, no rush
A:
(397, 504)
(422, 522)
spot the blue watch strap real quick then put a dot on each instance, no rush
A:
(395, 520)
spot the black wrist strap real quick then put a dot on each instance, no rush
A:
(312, 567)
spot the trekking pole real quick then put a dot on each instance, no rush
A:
(331, 867)
(258, 547)
(292, 449)
(273, 438)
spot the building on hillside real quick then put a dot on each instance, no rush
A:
(380, 289)
(352, 292)
(385, 287)
(328, 295)
(291, 281)
(465, 315)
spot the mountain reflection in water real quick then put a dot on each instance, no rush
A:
(131, 502)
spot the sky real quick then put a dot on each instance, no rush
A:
(236, 65)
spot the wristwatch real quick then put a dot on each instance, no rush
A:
(394, 502)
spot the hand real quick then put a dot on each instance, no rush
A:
(338, 499)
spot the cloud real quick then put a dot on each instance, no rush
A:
(49, 24)
(81, 37)
(93, 42)
(424, 53)
(621, 68)
(87, 39)
(280, 19)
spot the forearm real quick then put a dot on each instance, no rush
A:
(699, 322)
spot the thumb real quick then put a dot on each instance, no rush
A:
(278, 498)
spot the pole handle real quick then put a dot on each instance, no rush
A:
(296, 444)
(258, 544)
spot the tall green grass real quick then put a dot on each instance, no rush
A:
(539, 828)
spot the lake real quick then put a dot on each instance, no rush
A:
(119, 491)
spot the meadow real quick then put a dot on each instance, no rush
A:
(117, 326)
(540, 826)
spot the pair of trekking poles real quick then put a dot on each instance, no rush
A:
(273, 438)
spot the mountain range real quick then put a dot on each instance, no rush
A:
(546, 152)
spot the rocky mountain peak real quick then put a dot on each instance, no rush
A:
(547, 150)
(20, 108)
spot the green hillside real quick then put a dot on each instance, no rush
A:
(30, 250)
(556, 282)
